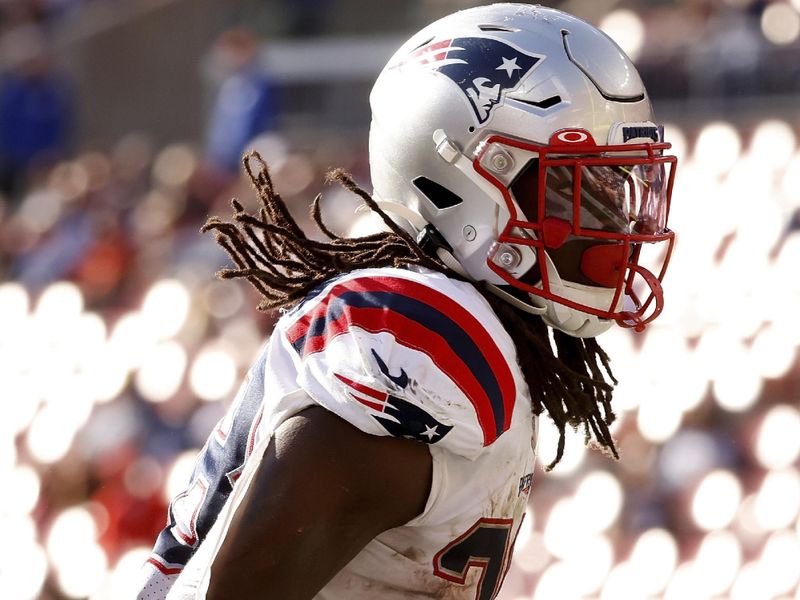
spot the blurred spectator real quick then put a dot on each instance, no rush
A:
(727, 61)
(103, 415)
(35, 110)
(307, 18)
(245, 99)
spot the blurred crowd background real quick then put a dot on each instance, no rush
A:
(121, 127)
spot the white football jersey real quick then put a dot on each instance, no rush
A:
(399, 352)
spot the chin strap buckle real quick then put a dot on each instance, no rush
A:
(430, 240)
(433, 244)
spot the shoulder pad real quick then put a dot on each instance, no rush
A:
(414, 354)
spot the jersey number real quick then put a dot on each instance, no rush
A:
(484, 546)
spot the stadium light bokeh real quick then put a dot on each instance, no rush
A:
(729, 334)
(722, 357)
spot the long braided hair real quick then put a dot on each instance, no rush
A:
(273, 253)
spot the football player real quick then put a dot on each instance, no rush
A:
(382, 445)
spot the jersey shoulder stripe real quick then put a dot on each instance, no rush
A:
(425, 319)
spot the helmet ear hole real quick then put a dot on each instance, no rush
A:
(438, 195)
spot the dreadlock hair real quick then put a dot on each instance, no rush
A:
(275, 256)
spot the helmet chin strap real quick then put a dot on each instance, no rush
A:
(570, 320)
(529, 308)
(450, 262)
(419, 224)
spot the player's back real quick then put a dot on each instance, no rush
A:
(394, 352)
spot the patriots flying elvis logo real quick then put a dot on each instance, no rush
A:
(397, 416)
(484, 68)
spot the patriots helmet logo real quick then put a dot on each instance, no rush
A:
(484, 68)
(399, 417)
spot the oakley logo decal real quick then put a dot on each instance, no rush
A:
(572, 137)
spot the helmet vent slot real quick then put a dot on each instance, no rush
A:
(546, 103)
(498, 28)
(439, 195)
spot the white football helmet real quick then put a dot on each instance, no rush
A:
(517, 142)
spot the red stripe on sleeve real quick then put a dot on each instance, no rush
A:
(411, 334)
(363, 388)
(497, 361)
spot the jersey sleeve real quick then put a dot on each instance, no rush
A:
(193, 512)
(409, 355)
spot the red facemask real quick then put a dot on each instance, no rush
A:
(608, 205)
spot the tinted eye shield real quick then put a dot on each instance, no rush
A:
(617, 196)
